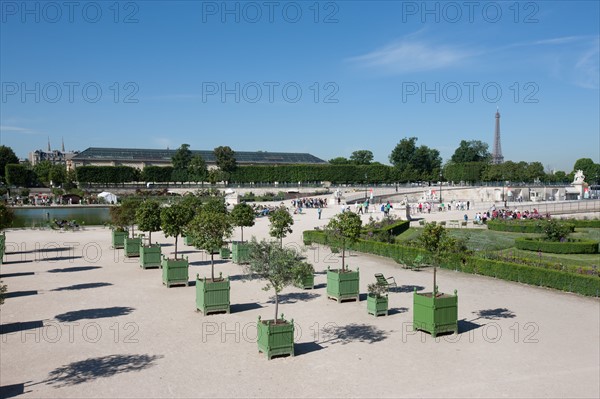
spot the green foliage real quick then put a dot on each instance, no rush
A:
(107, 174)
(340, 161)
(148, 217)
(464, 171)
(280, 267)
(7, 216)
(554, 230)
(7, 156)
(242, 215)
(377, 290)
(215, 204)
(361, 157)
(344, 228)
(415, 163)
(197, 170)
(225, 159)
(471, 151)
(122, 216)
(182, 157)
(42, 171)
(557, 247)
(174, 220)
(19, 175)
(58, 174)
(281, 222)
(208, 231)
(159, 174)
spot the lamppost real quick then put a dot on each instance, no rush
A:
(440, 187)
(366, 177)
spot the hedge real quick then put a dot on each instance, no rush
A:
(582, 224)
(521, 226)
(577, 283)
(557, 247)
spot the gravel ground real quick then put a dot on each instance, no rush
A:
(82, 321)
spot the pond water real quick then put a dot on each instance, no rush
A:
(39, 216)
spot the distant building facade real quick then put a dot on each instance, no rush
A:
(54, 156)
(141, 158)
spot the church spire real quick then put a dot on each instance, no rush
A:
(49, 144)
(63, 144)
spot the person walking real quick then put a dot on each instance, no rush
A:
(319, 212)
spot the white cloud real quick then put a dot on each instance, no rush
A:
(587, 69)
(16, 130)
(414, 55)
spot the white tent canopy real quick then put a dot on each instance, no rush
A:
(110, 198)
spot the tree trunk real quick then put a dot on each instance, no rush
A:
(434, 280)
(276, 305)
(150, 238)
(212, 266)
(242, 227)
(343, 256)
(281, 242)
(175, 247)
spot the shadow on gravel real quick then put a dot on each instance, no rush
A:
(99, 367)
(73, 269)
(294, 297)
(406, 288)
(394, 311)
(40, 250)
(353, 333)
(319, 286)
(243, 307)
(17, 274)
(494, 314)
(16, 327)
(82, 286)
(207, 262)
(306, 347)
(14, 262)
(98, 313)
(10, 391)
(17, 294)
(466, 326)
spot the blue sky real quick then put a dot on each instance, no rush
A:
(326, 78)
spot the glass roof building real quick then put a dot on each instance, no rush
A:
(140, 158)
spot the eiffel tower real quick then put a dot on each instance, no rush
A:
(497, 157)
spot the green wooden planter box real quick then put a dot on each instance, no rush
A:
(239, 252)
(118, 238)
(225, 253)
(342, 286)
(187, 240)
(435, 314)
(132, 247)
(377, 305)
(212, 296)
(308, 283)
(275, 339)
(150, 256)
(174, 272)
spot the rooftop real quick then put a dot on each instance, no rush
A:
(242, 157)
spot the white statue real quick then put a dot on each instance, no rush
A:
(579, 177)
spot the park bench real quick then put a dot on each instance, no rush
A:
(386, 282)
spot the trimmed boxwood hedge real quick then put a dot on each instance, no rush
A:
(557, 247)
(572, 282)
(522, 226)
(580, 223)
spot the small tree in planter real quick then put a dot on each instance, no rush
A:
(342, 230)
(436, 312)
(119, 226)
(243, 215)
(126, 219)
(281, 222)
(208, 231)
(377, 300)
(173, 221)
(281, 267)
(148, 219)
